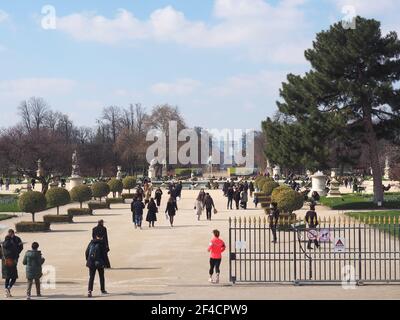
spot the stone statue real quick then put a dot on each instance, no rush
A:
(40, 171)
(119, 173)
(155, 169)
(387, 169)
(75, 165)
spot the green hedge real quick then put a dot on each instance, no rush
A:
(116, 186)
(32, 202)
(80, 212)
(128, 196)
(98, 205)
(57, 197)
(65, 218)
(269, 186)
(27, 226)
(287, 199)
(100, 190)
(129, 183)
(115, 200)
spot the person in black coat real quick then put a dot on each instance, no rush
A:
(236, 197)
(171, 210)
(100, 231)
(178, 190)
(312, 221)
(230, 193)
(273, 218)
(158, 196)
(9, 258)
(151, 213)
(17, 241)
(96, 261)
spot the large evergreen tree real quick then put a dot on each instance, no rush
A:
(351, 91)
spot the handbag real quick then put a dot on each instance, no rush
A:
(9, 262)
(215, 211)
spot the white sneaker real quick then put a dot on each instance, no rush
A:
(211, 280)
(28, 297)
(217, 279)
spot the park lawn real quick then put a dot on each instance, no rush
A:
(361, 202)
(6, 216)
(9, 203)
(387, 221)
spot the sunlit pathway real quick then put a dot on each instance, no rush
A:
(162, 263)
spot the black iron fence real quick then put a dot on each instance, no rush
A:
(336, 251)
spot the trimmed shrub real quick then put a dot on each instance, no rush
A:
(269, 186)
(32, 202)
(26, 226)
(98, 205)
(57, 197)
(100, 190)
(65, 218)
(128, 196)
(115, 201)
(288, 200)
(183, 172)
(80, 212)
(116, 186)
(129, 183)
(81, 194)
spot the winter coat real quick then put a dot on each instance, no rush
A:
(171, 208)
(33, 261)
(158, 194)
(198, 206)
(244, 197)
(101, 232)
(95, 255)
(9, 259)
(208, 202)
(152, 213)
(137, 207)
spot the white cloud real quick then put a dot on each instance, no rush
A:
(253, 26)
(3, 16)
(179, 88)
(26, 87)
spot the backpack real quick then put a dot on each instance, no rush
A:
(94, 254)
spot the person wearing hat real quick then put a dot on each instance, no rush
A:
(100, 231)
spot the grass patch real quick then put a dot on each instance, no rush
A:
(6, 216)
(387, 221)
(9, 203)
(361, 202)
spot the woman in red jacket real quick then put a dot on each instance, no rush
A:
(216, 247)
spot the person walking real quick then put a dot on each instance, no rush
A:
(209, 204)
(17, 241)
(95, 261)
(137, 207)
(171, 210)
(312, 221)
(101, 231)
(216, 248)
(273, 218)
(244, 198)
(151, 213)
(33, 183)
(178, 190)
(251, 188)
(1, 184)
(158, 196)
(8, 182)
(9, 261)
(33, 261)
(230, 193)
(236, 197)
(199, 205)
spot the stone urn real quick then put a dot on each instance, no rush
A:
(318, 181)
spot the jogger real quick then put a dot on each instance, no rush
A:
(216, 248)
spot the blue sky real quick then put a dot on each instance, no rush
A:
(221, 61)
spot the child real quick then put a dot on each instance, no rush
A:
(216, 247)
(33, 261)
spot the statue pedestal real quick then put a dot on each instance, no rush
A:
(74, 182)
(334, 191)
(318, 183)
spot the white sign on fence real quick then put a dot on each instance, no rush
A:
(324, 235)
(241, 245)
(340, 244)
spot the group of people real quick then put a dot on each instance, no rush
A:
(238, 193)
(204, 201)
(10, 251)
(6, 183)
(153, 204)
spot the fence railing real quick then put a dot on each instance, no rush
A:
(335, 250)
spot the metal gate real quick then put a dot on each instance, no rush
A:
(349, 251)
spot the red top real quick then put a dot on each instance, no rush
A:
(216, 247)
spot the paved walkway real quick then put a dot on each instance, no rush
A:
(165, 262)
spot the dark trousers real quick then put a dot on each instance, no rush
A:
(230, 202)
(92, 274)
(158, 202)
(208, 212)
(214, 264)
(9, 283)
(272, 226)
(37, 285)
(237, 202)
